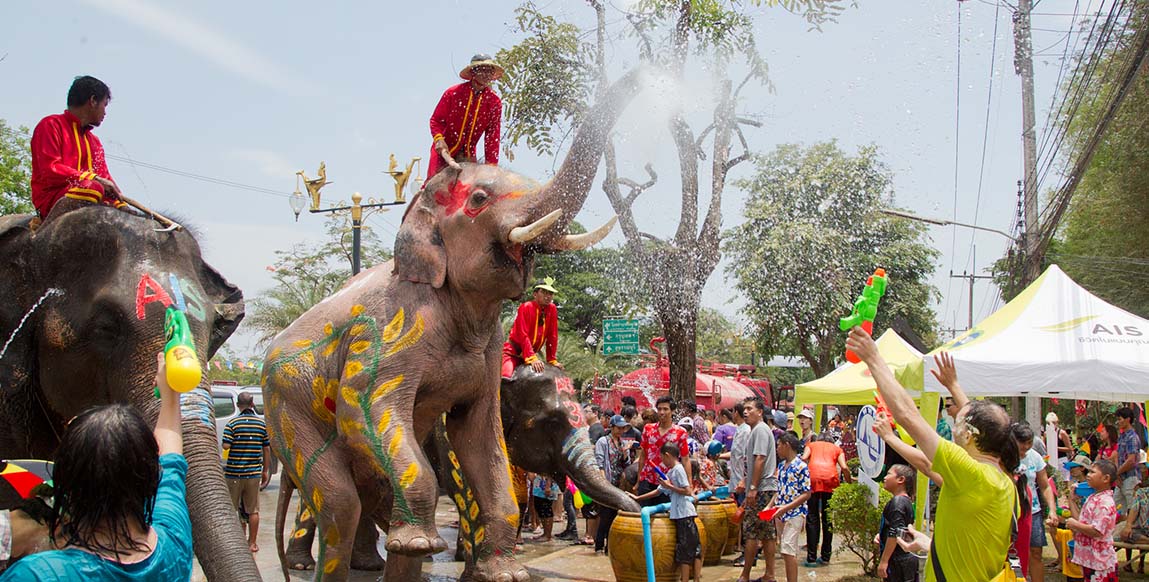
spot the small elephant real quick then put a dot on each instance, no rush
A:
(354, 386)
(80, 324)
(545, 433)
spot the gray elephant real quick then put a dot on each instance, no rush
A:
(80, 325)
(545, 433)
(354, 386)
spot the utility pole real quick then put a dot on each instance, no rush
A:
(1023, 66)
(972, 278)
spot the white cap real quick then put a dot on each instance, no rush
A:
(1051, 417)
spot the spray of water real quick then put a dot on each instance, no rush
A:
(50, 292)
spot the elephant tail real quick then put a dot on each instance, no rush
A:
(286, 488)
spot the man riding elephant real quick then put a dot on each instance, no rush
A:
(67, 158)
(355, 385)
(536, 325)
(465, 112)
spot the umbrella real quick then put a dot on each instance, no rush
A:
(23, 475)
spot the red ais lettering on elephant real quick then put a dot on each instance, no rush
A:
(186, 295)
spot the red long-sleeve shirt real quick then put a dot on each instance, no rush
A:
(534, 325)
(460, 118)
(66, 158)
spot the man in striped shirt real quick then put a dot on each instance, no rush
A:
(248, 460)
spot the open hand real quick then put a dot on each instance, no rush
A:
(946, 372)
(538, 366)
(862, 344)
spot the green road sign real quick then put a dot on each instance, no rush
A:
(619, 336)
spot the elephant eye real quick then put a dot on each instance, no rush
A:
(479, 198)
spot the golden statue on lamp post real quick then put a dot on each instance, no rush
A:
(401, 177)
(357, 207)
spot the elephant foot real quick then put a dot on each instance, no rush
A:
(500, 568)
(299, 556)
(414, 540)
(370, 561)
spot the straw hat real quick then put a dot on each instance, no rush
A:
(482, 60)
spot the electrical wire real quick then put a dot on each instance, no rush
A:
(984, 140)
(957, 151)
(200, 177)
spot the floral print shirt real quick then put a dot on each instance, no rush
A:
(793, 481)
(1097, 553)
(652, 441)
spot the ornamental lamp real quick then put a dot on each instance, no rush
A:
(297, 202)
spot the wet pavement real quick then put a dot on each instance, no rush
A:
(554, 561)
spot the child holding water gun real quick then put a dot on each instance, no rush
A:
(675, 484)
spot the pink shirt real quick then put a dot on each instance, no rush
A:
(1097, 553)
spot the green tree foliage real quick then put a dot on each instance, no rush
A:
(666, 33)
(591, 286)
(811, 238)
(548, 77)
(856, 521)
(1106, 230)
(15, 170)
(308, 273)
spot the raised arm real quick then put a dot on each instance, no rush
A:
(946, 373)
(912, 455)
(168, 432)
(899, 402)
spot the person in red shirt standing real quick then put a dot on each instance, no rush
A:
(537, 323)
(465, 112)
(654, 436)
(67, 158)
(824, 459)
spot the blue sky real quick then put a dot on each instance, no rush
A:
(253, 91)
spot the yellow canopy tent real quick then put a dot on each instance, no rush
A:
(852, 384)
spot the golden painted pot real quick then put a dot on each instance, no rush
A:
(627, 558)
(732, 529)
(713, 515)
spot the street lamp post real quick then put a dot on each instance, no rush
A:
(313, 186)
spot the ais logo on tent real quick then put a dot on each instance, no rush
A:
(1097, 329)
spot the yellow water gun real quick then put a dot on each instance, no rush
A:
(183, 370)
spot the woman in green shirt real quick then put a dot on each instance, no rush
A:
(980, 498)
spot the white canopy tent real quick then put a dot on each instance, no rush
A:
(1054, 340)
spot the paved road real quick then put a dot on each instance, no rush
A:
(551, 562)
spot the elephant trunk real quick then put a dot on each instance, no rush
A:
(579, 464)
(571, 184)
(219, 543)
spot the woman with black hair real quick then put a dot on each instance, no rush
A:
(120, 498)
(979, 501)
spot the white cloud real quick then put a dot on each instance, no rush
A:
(267, 162)
(198, 38)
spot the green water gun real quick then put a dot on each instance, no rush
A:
(865, 308)
(183, 370)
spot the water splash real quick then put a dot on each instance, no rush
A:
(50, 292)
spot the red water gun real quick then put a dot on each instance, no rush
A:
(881, 402)
(865, 308)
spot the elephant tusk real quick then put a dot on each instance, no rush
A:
(578, 242)
(528, 233)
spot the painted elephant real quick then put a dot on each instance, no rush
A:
(94, 284)
(356, 384)
(545, 433)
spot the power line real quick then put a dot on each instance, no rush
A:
(200, 177)
(984, 136)
(957, 150)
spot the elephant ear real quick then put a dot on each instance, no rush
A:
(420, 256)
(227, 301)
(16, 282)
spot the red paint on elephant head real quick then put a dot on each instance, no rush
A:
(458, 192)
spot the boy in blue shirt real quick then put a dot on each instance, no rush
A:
(676, 484)
(793, 492)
